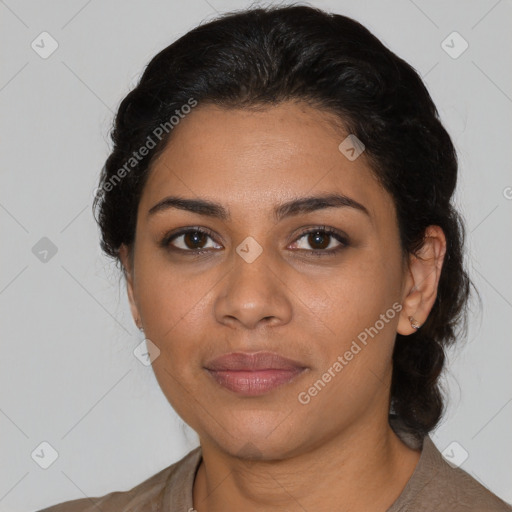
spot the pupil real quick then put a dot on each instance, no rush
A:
(194, 238)
(317, 238)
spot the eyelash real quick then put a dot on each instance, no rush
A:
(340, 237)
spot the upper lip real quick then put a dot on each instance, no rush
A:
(252, 361)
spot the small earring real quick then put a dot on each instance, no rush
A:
(414, 323)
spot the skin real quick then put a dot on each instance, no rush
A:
(272, 452)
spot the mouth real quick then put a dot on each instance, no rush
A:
(253, 374)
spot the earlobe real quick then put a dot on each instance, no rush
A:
(125, 258)
(423, 274)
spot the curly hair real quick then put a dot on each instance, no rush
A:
(264, 56)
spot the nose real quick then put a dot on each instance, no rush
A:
(253, 293)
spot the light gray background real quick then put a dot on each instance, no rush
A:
(68, 373)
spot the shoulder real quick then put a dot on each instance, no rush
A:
(436, 485)
(149, 495)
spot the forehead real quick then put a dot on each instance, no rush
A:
(251, 160)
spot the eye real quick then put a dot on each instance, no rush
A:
(323, 240)
(193, 240)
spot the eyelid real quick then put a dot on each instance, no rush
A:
(333, 232)
(168, 237)
(341, 237)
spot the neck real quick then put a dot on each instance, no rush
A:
(355, 471)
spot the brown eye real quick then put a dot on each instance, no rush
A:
(190, 240)
(321, 241)
(194, 239)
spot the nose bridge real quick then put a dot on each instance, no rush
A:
(252, 292)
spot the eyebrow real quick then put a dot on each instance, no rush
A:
(288, 209)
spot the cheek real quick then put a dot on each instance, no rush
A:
(175, 310)
(356, 354)
(363, 288)
(170, 297)
(362, 314)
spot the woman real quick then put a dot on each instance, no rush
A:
(279, 197)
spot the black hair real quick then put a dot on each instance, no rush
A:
(263, 56)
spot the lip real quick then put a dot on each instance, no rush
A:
(253, 374)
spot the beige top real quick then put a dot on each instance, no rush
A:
(434, 486)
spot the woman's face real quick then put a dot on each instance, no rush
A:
(258, 287)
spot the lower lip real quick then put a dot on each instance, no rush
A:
(253, 383)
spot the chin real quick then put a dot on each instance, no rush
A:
(267, 438)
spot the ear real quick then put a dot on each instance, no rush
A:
(423, 273)
(126, 260)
